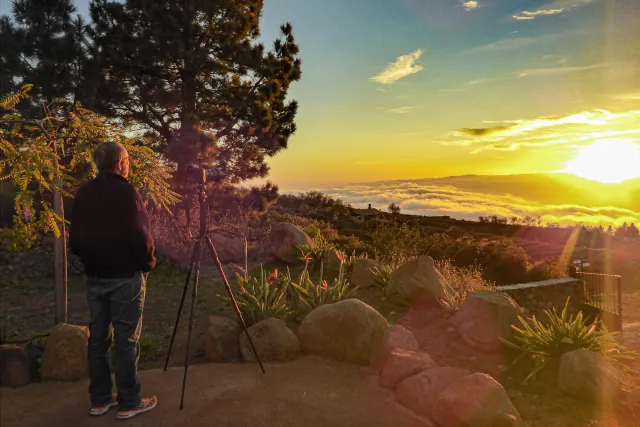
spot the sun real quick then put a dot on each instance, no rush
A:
(607, 160)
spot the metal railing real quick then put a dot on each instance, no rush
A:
(603, 292)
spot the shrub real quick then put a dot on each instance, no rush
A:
(395, 244)
(460, 281)
(544, 344)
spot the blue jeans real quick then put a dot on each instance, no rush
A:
(115, 307)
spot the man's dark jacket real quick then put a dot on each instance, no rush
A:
(110, 229)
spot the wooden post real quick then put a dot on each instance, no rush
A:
(60, 260)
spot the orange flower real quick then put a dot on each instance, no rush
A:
(324, 285)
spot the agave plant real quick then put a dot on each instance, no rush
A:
(546, 343)
(310, 294)
(263, 298)
(312, 254)
(382, 275)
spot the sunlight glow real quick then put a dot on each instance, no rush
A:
(607, 160)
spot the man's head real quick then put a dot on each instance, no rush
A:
(112, 157)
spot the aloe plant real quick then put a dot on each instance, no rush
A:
(310, 294)
(546, 342)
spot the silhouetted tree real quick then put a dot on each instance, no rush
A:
(43, 44)
(632, 232)
(192, 74)
(394, 209)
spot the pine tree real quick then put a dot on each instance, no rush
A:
(43, 45)
(192, 74)
(632, 232)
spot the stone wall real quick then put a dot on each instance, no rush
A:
(538, 296)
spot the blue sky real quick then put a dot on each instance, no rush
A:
(409, 89)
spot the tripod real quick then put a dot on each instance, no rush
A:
(194, 267)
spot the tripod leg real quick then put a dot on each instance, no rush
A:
(214, 254)
(184, 294)
(194, 295)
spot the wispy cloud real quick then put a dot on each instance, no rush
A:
(565, 131)
(554, 8)
(487, 80)
(401, 110)
(517, 42)
(470, 5)
(626, 96)
(455, 89)
(402, 67)
(560, 70)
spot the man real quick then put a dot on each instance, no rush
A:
(110, 233)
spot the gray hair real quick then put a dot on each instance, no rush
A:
(108, 154)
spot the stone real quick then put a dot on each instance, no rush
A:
(587, 375)
(65, 355)
(283, 240)
(485, 316)
(395, 337)
(476, 400)
(274, 342)
(417, 281)
(221, 340)
(420, 392)
(348, 330)
(361, 274)
(331, 262)
(229, 248)
(15, 366)
(402, 364)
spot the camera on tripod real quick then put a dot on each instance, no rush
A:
(198, 175)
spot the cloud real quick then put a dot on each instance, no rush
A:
(572, 130)
(402, 67)
(487, 80)
(626, 96)
(470, 5)
(512, 43)
(401, 110)
(560, 70)
(444, 196)
(457, 89)
(554, 8)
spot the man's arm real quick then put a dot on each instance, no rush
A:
(139, 232)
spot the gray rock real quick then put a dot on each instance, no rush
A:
(221, 340)
(283, 240)
(588, 375)
(65, 355)
(228, 248)
(274, 342)
(417, 281)
(402, 364)
(348, 330)
(15, 369)
(395, 337)
(361, 274)
(485, 316)
(476, 400)
(420, 392)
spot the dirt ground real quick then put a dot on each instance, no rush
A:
(309, 392)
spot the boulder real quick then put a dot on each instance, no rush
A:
(588, 375)
(395, 337)
(420, 392)
(274, 342)
(229, 248)
(331, 262)
(402, 364)
(283, 240)
(485, 316)
(65, 355)
(221, 340)
(417, 281)
(476, 400)
(348, 330)
(361, 274)
(15, 366)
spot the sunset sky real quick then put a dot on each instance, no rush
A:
(413, 89)
(406, 89)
